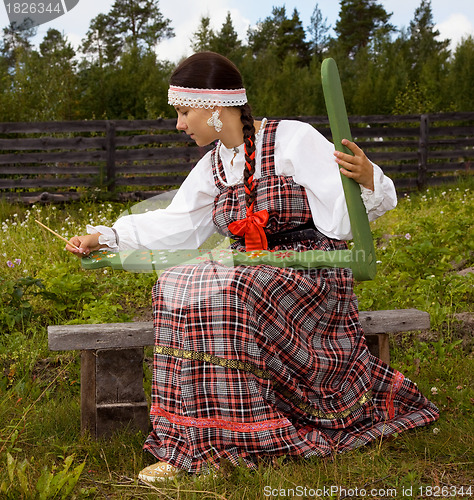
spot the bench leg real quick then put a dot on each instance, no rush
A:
(378, 344)
(112, 394)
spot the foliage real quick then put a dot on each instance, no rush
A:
(358, 22)
(51, 484)
(118, 73)
(318, 30)
(225, 41)
(423, 255)
(15, 305)
(128, 25)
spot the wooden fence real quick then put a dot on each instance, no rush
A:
(63, 160)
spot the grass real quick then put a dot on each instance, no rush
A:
(424, 247)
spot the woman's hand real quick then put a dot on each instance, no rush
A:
(86, 244)
(357, 167)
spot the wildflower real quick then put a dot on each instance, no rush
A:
(408, 236)
(10, 263)
(459, 387)
(378, 262)
(434, 390)
(436, 430)
(17, 262)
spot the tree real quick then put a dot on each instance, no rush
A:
(129, 24)
(204, 36)
(319, 30)
(358, 21)
(56, 48)
(427, 56)
(280, 35)
(461, 76)
(99, 42)
(264, 36)
(422, 42)
(16, 39)
(227, 42)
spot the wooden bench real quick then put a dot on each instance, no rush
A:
(112, 394)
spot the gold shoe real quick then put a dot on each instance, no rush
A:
(158, 472)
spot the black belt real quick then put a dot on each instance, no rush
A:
(306, 231)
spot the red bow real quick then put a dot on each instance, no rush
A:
(252, 227)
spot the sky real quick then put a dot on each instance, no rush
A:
(453, 18)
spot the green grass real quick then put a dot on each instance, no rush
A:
(424, 247)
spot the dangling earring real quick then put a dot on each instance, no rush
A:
(214, 121)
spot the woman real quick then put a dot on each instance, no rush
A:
(254, 361)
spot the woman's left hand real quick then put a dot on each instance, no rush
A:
(357, 167)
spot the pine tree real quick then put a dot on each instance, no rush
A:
(203, 37)
(129, 24)
(227, 42)
(461, 76)
(319, 30)
(281, 36)
(358, 21)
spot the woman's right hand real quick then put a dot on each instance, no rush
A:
(86, 244)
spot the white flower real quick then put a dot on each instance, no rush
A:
(408, 236)
(434, 390)
(436, 430)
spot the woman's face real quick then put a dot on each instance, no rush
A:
(193, 121)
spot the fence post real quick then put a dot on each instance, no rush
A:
(423, 150)
(110, 155)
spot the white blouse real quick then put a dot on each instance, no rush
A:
(300, 152)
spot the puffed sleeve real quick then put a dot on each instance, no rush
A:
(302, 152)
(185, 223)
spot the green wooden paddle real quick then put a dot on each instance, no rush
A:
(361, 259)
(364, 261)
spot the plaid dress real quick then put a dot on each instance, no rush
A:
(255, 361)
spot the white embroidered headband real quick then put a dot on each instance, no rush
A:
(205, 98)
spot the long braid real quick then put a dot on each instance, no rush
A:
(249, 142)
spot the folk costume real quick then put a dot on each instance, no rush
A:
(255, 361)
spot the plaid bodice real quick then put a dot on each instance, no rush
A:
(285, 201)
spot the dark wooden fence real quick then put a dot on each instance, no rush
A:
(64, 160)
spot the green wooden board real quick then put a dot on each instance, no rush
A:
(361, 258)
(364, 253)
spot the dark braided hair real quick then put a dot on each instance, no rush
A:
(209, 70)
(249, 140)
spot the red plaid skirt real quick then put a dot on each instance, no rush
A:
(255, 361)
